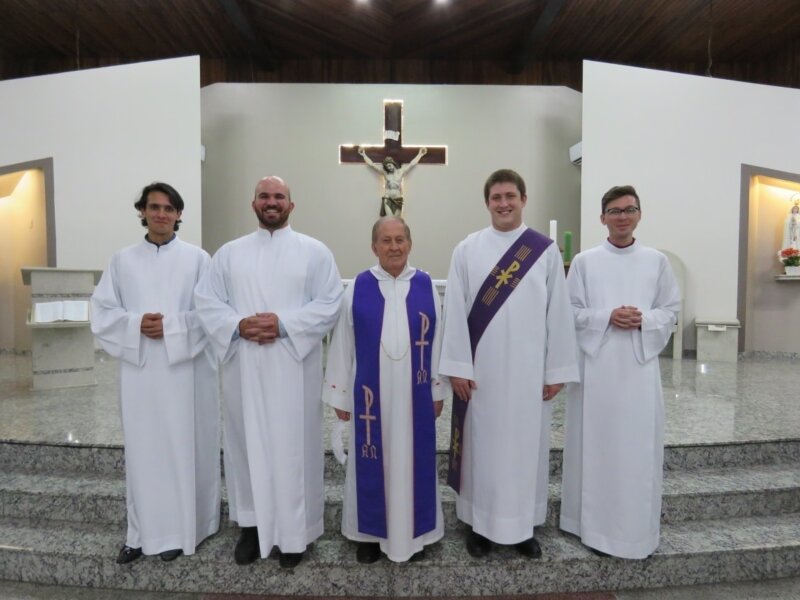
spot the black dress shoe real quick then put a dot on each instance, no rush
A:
(368, 552)
(247, 548)
(477, 545)
(600, 553)
(529, 548)
(170, 555)
(128, 554)
(289, 560)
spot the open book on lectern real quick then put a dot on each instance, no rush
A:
(62, 310)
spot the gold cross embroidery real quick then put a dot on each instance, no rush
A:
(505, 274)
(455, 447)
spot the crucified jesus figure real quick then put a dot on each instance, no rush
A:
(392, 201)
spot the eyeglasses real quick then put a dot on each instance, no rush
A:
(629, 210)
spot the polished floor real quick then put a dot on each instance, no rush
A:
(757, 398)
(778, 589)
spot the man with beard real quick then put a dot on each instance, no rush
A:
(266, 302)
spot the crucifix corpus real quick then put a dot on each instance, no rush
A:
(392, 160)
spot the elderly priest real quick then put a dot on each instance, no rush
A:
(382, 369)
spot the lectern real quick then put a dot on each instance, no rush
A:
(62, 352)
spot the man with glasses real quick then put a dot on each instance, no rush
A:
(625, 300)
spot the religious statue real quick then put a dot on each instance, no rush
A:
(791, 228)
(392, 200)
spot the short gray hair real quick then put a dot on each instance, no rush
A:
(386, 219)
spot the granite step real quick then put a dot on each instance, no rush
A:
(727, 492)
(730, 454)
(60, 458)
(690, 553)
(692, 494)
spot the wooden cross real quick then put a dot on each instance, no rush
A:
(393, 142)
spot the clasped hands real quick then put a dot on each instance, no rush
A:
(463, 389)
(626, 317)
(152, 325)
(261, 328)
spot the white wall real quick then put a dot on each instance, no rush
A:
(110, 132)
(294, 130)
(681, 141)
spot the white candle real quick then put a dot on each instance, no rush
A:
(553, 229)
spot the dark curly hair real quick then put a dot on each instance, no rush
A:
(174, 199)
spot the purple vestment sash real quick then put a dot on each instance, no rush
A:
(368, 306)
(495, 290)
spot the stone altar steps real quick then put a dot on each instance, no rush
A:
(731, 512)
(80, 554)
(106, 460)
(752, 490)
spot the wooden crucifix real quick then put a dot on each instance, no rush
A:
(393, 160)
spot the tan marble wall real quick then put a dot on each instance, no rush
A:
(23, 231)
(773, 306)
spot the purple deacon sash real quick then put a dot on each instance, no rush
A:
(495, 290)
(367, 324)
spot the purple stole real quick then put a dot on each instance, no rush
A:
(495, 290)
(367, 325)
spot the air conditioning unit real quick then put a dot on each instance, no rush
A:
(576, 154)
